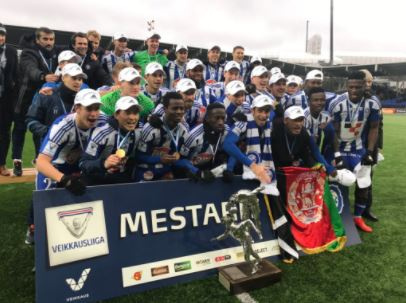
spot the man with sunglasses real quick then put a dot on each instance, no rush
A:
(130, 85)
(46, 108)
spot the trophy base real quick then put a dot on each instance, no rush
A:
(237, 278)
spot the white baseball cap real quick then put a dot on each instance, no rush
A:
(230, 65)
(152, 67)
(256, 59)
(259, 71)
(73, 69)
(294, 112)
(128, 74)
(234, 87)
(275, 70)
(276, 77)
(68, 55)
(315, 75)
(180, 47)
(261, 101)
(118, 36)
(193, 63)
(294, 79)
(87, 97)
(125, 103)
(184, 85)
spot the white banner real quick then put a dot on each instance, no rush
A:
(76, 232)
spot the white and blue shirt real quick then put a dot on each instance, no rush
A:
(110, 59)
(174, 72)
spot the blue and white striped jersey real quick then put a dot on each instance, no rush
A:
(198, 150)
(300, 99)
(65, 143)
(353, 119)
(232, 109)
(155, 141)
(218, 90)
(213, 73)
(250, 97)
(106, 139)
(314, 126)
(204, 96)
(110, 59)
(244, 71)
(174, 72)
(157, 98)
(192, 116)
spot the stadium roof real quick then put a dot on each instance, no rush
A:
(14, 33)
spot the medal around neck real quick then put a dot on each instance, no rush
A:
(120, 153)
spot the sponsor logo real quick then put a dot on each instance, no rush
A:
(76, 220)
(157, 271)
(203, 261)
(261, 250)
(78, 285)
(137, 275)
(181, 266)
(222, 258)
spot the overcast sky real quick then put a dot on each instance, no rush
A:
(261, 26)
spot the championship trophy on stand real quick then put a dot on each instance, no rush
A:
(255, 272)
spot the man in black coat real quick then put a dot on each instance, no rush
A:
(96, 75)
(38, 62)
(8, 79)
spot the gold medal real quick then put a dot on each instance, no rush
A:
(120, 153)
(177, 155)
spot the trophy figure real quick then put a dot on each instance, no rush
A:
(254, 272)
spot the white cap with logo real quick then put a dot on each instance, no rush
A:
(259, 71)
(294, 79)
(152, 67)
(184, 85)
(193, 64)
(230, 65)
(234, 87)
(73, 70)
(118, 36)
(87, 97)
(125, 103)
(180, 47)
(276, 77)
(275, 70)
(68, 55)
(128, 74)
(256, 59)
(294, 112)
(315, 75)
(261, 101)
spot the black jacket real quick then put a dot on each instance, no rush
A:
(32, 70)
(9, 73)
(96, 75)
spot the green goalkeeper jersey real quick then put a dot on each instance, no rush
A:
(109, 103)
(143, 58)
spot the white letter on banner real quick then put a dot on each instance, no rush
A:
(223, 209)
(194, 209)
(210, 212)
(180, 219)
(155, 220)
(133, 225)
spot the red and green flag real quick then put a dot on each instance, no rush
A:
(316, 224)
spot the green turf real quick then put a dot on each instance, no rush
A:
(374, 271)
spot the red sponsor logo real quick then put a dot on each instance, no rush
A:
(222, 258)
(137, 275)
(156, 271)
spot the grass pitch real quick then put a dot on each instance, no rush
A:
(374, 271)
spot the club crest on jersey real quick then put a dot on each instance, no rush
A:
(76, 220)
(337, 196)
(254, 156)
